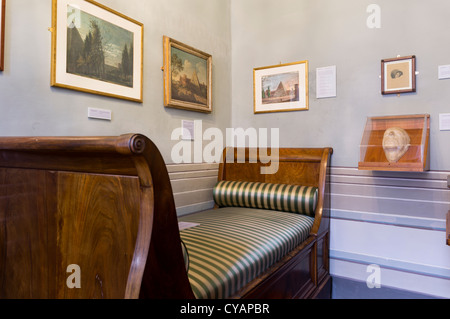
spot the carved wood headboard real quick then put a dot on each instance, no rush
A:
(86, 202)
(297, 166)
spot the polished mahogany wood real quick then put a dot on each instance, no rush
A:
(104, 204)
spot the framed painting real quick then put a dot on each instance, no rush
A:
(2, 34)
(281, 88)
(96, 50)
(187, 77)
(398, 75)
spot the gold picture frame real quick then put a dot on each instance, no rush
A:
(398, 75)
(187, 77)
(2, 34)
(281, 88)
(96, 50)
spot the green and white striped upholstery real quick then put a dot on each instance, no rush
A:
(282, 197)
(232, 246)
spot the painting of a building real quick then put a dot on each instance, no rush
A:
(280, 88)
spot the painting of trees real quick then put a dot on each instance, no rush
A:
(100, 50)
(93, 58)
(127, 62)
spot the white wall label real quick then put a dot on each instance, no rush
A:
(99, 114)
(444, 122)
(326, 82)
(188, 130)
(444, 72)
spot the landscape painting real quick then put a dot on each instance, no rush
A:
(187, 75)
(99, 49)
(280, 88)
(96, 50)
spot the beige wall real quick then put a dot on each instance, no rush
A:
(330, 32)
(29, 106)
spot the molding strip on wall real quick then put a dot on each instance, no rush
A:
(390, 278)
(395, 220)
(192, 186)
(389, 219)
(399, 265)
(403, 198)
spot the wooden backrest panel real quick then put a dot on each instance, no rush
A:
(296, 173)
(23, 235)
(97, 229)
(298, 166)
(60, 219)
(90, 202)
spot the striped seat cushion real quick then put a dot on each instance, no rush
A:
(232, 246)
(283, 197)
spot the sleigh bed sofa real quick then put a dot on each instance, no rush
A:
(100, 210)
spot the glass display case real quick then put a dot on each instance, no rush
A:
(396, 143)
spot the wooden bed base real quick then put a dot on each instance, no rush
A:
(94, 217)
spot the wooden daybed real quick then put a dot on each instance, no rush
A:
(105, 205)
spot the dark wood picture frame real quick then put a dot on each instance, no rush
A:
(2, 34)
(398, 75)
